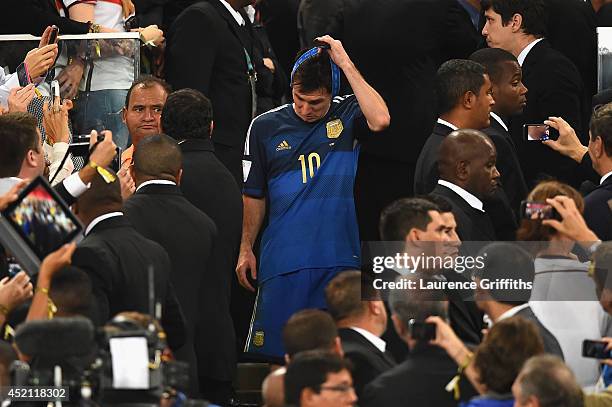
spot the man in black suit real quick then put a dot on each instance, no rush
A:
(421, 379)
(598, 156)
(503, 261)
(206, 183)
(468, 175)
(554, 83)
(464, 96)
(361, 324)
(210, 49)
(118, 261)
(161, 213)
(510, 99)
(412, 38)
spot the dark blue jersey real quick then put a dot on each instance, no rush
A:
(307, 173)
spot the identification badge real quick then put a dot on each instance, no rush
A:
(334, 128)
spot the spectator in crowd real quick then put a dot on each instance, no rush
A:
(108, 74)
(520, 28)
(220, 66)
(509, 94)
(71, 292)
(306, 330)
(598, 154)
(118, 261)
(157, 207)
(449, 34)
(562, 291)
(319, 379)
(497, 361)
(188, 118)
(142, 111)
(465, 100)
(509, 261)
(35, 64)
(545, 381)
(361, 324)
(466, 162)
(421, 379)
(321, 143)
(22, 157)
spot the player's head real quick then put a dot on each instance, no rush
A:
(311, 87)
(506, 77)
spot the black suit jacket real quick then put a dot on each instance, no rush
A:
(368, 361)
(426, 174)
(419, 381)
(597, 212)
(209, 186)
(163, 214)
(554, 89)
(551, 345)
(472, 224)
(117, 259)
(413, 37)
(512, 178)
(206, 51)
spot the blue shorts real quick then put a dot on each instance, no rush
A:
(277, 300)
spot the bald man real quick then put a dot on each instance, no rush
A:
(466, 163)
(161, 213)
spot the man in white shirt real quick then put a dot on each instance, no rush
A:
(554, 83)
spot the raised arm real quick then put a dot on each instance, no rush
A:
(371, 103)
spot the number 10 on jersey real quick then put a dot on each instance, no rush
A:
(313, 162)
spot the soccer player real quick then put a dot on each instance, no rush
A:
(301, 160)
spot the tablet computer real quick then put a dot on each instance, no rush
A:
(36, 224)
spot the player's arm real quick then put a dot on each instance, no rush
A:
(371, 103)
(254, 211)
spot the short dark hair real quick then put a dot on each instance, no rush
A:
(71, 291)
(101, 194)
(397, 219)
(147, 81)
(309, 370)
(308, 330)
(454, 79)
(601, 126)
(157, 156)
(18, 135)
(551, 381)
(344, 294)
(493, 59)
(442, 203)
(314, 73)
(500, 356)
(187, 115)
(532, 11)
(504, 260)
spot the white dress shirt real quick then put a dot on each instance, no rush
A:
(100, 219)
(155, 182)
(467, 197)
(233, 12)
(605, 177)
(521, 57)
(448, 124)
(73, 184)
(499, 120)
(512, 312)
(380, 344)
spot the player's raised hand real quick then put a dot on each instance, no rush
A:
(336, 51)
(246, 262)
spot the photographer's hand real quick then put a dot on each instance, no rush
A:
(101, 155)
(12, 194)
(572, 224)
(568, 143)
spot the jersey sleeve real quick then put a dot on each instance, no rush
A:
(254, 163)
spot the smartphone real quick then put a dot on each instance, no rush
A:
(80, 148)
(536, 132)
(422, 331)
(538, 210)
(53, 35)
(595, 349)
